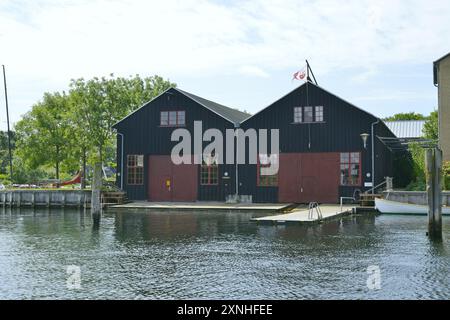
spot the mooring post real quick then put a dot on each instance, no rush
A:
(389, 184)
(433, 162)
(96, 206)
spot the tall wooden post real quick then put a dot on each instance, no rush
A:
(433, 162)
(96, 205)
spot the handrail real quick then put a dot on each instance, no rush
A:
(312, 206)
(377, 186)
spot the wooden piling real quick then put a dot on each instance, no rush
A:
(433, 163)
(96, 205)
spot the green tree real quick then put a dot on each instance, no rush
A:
(43, 135)
(430, 128)
(405, 116)
(97, 104)
(4, 150)
(430, 131)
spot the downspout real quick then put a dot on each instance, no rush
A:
(121, 159)
(373, 154)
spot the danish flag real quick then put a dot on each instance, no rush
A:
(300, 75)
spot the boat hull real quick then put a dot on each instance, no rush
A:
(394, 207)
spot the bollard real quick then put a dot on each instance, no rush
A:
(433, 163)
(96, 206)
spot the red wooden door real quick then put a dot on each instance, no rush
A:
(289, 177)
(307, 177)
(170, 182)
(185, 182)
(159, 178)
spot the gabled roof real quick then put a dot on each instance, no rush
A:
(406, 128)
(232, 115)
(435, 67)
(314, 85)
(228, 113)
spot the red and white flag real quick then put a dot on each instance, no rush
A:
(300, 75)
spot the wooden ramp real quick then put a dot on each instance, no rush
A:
(304, 216)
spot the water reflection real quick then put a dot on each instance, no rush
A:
(217, 255)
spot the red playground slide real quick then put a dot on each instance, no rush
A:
(76, 179)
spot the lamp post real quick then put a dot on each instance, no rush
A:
(364, 137)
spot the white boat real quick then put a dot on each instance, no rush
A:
(388, 206)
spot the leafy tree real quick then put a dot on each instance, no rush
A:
(406, 116)
(4, 151)
(43, 135)
(65, 131)
(24, 174)
(97, 104)
(430, 128)
(430, 131)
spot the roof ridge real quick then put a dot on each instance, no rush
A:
(231, 114)
(196, 96)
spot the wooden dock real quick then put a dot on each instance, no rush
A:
(303, 216)
(201, 205)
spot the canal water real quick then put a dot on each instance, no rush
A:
(217, 255)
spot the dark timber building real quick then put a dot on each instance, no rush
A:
(322, 155)
(144, 146)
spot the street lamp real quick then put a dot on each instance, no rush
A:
(364, 137)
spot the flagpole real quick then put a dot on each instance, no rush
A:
(307, 103)
(7, 120)
(307, 70)
(312, 73)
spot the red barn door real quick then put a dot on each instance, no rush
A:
(170, 182)
(307, 177)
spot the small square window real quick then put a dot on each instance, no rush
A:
(181, 118)
(308, 114)
(172, 118)
(319, 113)
(298, 115)
(164, 118)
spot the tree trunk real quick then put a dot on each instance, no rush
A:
(57, 165)
(83, 172)
(57, 170)
(100, 154)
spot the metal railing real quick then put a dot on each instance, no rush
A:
(377, 186)
(312, 206)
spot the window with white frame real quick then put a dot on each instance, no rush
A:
(319, 114)
(308, 115)
(298, 114)
(173, 118)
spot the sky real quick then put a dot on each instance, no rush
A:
(376, 54)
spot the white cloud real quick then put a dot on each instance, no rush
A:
(253, 71)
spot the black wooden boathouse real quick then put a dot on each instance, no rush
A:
(322, 155)
(145, 169)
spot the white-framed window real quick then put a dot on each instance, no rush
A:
(319, 114)
(173, 118)
(308, 114)
(298, 114)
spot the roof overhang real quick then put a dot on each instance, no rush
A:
(402, 144)
(436, 67)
